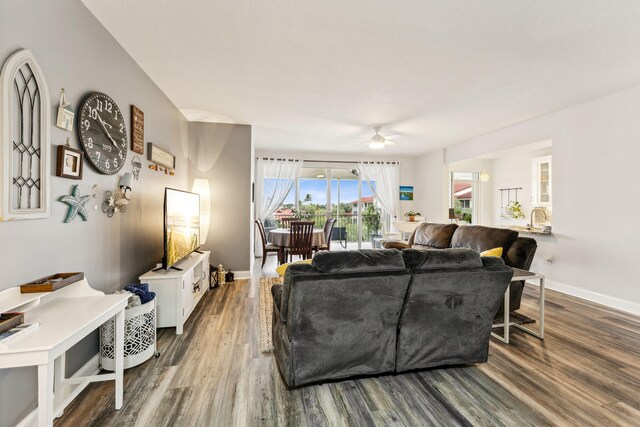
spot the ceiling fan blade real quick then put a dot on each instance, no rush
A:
(387, 142)
(393, 136)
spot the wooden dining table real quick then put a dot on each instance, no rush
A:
(281, 237)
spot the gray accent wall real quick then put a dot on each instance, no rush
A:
(222, 153)
(76, 52)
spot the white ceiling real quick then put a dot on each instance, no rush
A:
(316, 75)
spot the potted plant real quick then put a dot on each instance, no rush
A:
(411, 215)
(514, 209)
(371, 220)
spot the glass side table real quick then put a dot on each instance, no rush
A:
(506, 323)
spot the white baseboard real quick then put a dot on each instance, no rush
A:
(617, 303)
(92, 367)
(242, 274)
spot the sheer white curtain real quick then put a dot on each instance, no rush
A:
(387, 184)
(275, 179)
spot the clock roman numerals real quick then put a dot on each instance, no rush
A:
(103, 133)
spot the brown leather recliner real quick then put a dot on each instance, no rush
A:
(517, 251)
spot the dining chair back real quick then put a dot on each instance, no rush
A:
(266, 247)
(328, 231)
(286, 221)
(301, 239)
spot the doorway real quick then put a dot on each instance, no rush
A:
(463, 195)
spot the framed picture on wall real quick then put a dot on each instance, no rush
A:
(69, 163)
(406, 192)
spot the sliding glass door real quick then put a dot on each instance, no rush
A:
(346, 207)
(335, 191)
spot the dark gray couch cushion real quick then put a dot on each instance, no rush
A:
(493, 262)
(276, 293)
(436, 259)
(521, 252)
(447, 316)
(341, 325)
(481, 238)
(364, 260)
(293, 271)
(434, 235)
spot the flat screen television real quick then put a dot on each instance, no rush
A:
(181, 225)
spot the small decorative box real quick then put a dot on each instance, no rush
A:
(10, 321)
(51, 283)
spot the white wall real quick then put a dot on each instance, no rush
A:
(595, 155)
(432, 186)
(76, 52)
(222, 153)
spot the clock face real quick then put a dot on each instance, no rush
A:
(103, 133)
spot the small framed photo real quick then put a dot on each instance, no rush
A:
(69, 162)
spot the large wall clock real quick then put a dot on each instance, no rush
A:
(103, 133)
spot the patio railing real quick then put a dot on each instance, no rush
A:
(346, 225)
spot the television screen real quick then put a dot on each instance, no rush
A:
(181, 225)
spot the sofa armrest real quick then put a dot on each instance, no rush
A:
(400, 245)
(276, 293)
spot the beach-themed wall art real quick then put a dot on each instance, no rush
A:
(406, 192)
(137, 130)
(136, 167)
(77, 205)
(118, 202)
(65, 113)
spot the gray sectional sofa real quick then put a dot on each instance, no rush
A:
(370, 312)
(518, 251)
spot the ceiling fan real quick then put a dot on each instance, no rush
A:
(378, 142)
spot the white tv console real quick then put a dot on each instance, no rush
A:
(178, 292)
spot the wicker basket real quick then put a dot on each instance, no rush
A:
(139, 337)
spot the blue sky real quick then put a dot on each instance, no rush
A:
(318, 190)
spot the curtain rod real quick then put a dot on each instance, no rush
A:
(326, 161)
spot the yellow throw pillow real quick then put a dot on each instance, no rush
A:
(495, 252)
(283, 268)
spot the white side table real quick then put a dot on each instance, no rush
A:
(518, 275)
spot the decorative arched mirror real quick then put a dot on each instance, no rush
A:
(25, 115)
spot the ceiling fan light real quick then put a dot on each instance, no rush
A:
(484, 176)
(375, 145)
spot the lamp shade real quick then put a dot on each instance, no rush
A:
(201, 186)
(452, 213)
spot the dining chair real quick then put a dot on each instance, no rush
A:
(328, 231)
(301, 240)
(286, 221)
(266, 247)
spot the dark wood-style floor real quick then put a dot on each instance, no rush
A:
(585, 373)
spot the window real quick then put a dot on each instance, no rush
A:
(463, 187)
(337, 192)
